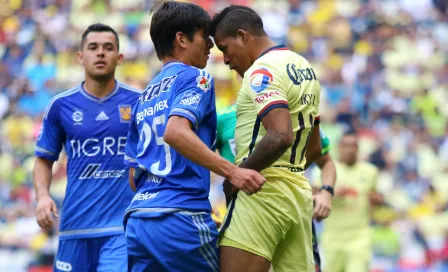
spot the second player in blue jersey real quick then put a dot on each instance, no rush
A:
(91, 122)
(170, 145)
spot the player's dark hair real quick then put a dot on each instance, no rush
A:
(172, 17)
(99, 28)
(229, 20)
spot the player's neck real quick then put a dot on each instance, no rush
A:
(99, 89)
(169, 59)
(261, 45)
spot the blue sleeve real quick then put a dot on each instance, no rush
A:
(51, 136)
(130, 157)
(194, 94)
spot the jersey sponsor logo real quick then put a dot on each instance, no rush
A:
(297, 75)
(125, 113)
(203, 83)
(259, 99)
(144, 196)
(102, 116)
(91, 171)
(260, 79)
(92, 147)
(63, 266)
(154, 90)
(191, 98)
(151, 110)
(77, 117)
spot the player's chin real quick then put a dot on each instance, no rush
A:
(100, 73)
(202, 65)
(204, 61)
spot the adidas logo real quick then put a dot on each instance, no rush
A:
(102, 116)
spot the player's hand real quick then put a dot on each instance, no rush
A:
(45, 211)
(322, 205)
(246, 180)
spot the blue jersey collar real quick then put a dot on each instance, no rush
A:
(171, 63)
(96, 99)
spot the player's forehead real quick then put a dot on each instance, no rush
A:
(103, 37)
(223, 42)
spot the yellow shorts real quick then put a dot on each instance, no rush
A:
(275, 223)
(347, 250)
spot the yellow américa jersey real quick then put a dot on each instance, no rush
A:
(279, 78)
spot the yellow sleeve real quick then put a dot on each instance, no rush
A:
(266, 89)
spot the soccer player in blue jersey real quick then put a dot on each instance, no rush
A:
(91, 122)
(170, 145)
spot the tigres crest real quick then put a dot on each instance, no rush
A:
(125, 113)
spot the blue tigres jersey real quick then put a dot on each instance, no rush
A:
(93, 132)
(166, 181)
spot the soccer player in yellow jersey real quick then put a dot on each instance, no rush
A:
(347, 238)
(277, 110)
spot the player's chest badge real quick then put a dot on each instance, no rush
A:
(77, 117)
(125, 113)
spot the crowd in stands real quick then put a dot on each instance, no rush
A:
(383, 67)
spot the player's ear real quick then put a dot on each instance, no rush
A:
(242, 35)
(79, 57)
(120, 59)
(181, 39)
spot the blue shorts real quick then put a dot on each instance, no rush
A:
(173, 242)
(92, 254)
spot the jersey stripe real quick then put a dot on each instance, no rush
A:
(254, 134)
(307, 140)
(271, 106)
(292, 159)
(61, 95)
(89, 231)
(229, 214)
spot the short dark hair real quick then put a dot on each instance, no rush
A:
(172, 17)
(229, 20)
(99, 28)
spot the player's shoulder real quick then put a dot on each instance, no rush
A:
(62, 98)
(128, 89)
(279, 57)
(195, 76)
(188, 71)
(272, 64)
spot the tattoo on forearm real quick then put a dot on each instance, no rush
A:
(269, 150)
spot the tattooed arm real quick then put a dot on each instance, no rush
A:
(279, 137)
